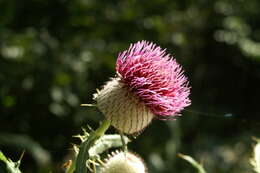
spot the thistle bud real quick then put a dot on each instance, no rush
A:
(123, 162)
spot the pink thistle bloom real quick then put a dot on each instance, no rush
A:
(155, 78)
(150, 83)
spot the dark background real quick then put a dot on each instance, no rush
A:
(55, 53)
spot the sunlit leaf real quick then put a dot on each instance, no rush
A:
(194, 163)
(8, 166)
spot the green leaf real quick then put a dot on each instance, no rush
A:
(41, 156)
(83, 155)
(193, 162)
(8, 166)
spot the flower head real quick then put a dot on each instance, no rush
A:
(150, 83)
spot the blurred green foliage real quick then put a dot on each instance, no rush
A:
(55, 53)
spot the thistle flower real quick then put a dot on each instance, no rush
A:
(123, 162)
(149, 84)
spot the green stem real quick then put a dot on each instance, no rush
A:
(83, 155)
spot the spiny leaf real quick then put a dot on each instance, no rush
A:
(193, 162)
(8, 166)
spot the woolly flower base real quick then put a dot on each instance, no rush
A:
(123, 162)
(122, 108)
